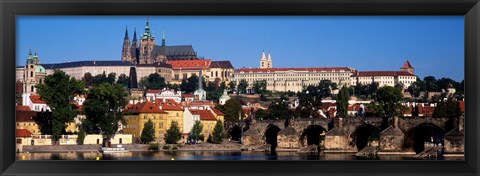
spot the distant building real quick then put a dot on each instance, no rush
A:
(164, 95)
(386, 78)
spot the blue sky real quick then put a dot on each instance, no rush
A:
(434, 45)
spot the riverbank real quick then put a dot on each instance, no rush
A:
(225, 146)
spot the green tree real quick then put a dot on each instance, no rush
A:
(242, 86)
(111, 78)
(103, 109)
(261, 114)
(190, 85)
(196, 132)
(173, 133)
(123, 80)
(81, 136)
(325, 87)
(342, 102)
(279, 110)
(232, 85)
(260, 86)
(148, 132)
(218, 132)
(57, 91)
(389, 99)
(100, 78)
(87, 79)
(231, 109)
(155, 81)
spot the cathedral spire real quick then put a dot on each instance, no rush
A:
(126, 33)
(134, 34)
(269, 57)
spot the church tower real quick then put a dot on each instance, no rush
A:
(407, 67)
(269, 61)
(126, 55)
(147, 42)
(263, 61)
(33, 74)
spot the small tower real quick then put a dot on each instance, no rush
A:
(407, 67)
(200, 94)
(269, 61)
(163, 38)
(126, 56)
(263, 61)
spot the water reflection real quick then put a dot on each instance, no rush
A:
(210, 155)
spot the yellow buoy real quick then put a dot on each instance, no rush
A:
(172, 158)
(98, 158)
(23, 157)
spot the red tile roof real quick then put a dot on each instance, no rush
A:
(190, 64)
(22, 133)
(218, 112)
(265, 70)
(384, 73)
(25, 116)
(22, 108)
(153, 91)
(145, 107)
(168, 105)
(187, 95)
(37, 99)
(204, 114)
(407, 65)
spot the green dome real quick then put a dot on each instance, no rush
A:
(40, 69)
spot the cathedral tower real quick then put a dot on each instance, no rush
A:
(147, 42)
(126, 51)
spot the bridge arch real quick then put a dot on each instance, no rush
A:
(416, 136)
(364, 134)
(271, 134)
(235, 132)
(311, 135)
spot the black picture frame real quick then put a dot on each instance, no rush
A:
(469, 8)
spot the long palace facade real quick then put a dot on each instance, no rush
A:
(295, 79)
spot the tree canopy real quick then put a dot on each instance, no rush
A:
(153, 81)
(218, 132)
(342, 102)
(231, 109)
(57, 91)
(148, 132)
(103, 108)
(196, 132)
(173, 133)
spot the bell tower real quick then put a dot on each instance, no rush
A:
(263, 61)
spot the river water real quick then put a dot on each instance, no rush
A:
(209, 155)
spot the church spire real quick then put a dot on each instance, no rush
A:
(163, 37)
(126, 33)
(269, 57)
(147, 34)
(263, 55)
(135, 34)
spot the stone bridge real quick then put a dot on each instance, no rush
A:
(353, 134)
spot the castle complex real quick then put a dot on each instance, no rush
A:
(146, 52)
